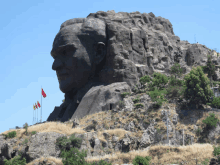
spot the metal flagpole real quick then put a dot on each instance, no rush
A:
(33, 117)
(41, 104)
(37, 115)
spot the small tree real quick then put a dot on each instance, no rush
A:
(16, 160)
(26, 127)
(211, 120)
(159, 81)
(144, 80)
(216, 102)
(73, 157)
(210, 68)
(197, 89)
(176, 70)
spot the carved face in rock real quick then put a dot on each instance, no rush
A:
(75, 58)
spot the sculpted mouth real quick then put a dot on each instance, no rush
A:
(62, 76)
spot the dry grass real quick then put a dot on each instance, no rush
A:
(164, 154)
(158, 153)
(48, 160)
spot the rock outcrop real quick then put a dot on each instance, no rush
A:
(112, 51)
(121, 47)
(44, 143)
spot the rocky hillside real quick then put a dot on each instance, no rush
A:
(120, 134)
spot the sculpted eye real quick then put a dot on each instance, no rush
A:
(64, 52)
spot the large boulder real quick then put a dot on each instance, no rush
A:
(128, 46)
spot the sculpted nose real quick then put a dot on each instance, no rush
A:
(57, 64)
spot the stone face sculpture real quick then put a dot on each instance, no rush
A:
(105, 54)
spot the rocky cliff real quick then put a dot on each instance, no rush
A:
(145, 44)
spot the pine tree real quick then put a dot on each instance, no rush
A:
(197, 88)
(176, 70)
(210, 68)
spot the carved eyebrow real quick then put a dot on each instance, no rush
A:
(61, 48)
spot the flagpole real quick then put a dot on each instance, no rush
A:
(33, 117)
(41, 103)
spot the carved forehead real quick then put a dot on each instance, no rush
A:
(66, 36)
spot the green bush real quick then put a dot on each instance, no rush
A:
(175, 92)
(145, 79)
(11, 134)
(33, 132)
(198, 131)
(176, 70)
(123, 95)
(196, 87)
(211, 120)
(101, 162)
(65, 143)
(216, 102)
(173, 81)
(159, 81)
(216, 151)
(15, 161)
(138, 105)
(25, 141)
(140, 160)
(158, 97)
(26, 127)
(136, 100)
(76, 142)
(74, 157)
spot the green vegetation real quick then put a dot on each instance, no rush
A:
(123, 95)
(175, 88)
(26, 128)
(158, 96)
(25, 141)
(33, 132)
(65, 143)
(136, 100)
(101, 162)
(197, 89)
(138, 105)
(144, 80)
(15, 161)
(176, 70)
(158, 82)
(211, 120)
(10, 134)
(216, 102)
(74, 157)
(210, 68)
(216, 152)
(141, 160)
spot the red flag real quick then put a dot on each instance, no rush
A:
(38, 104)
(43, 93)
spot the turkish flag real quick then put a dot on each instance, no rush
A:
(43, 93)
(38, 104)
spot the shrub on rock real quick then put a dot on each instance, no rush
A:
(141, 160)
(197, 89)
(15, 161)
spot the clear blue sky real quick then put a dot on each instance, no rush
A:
(28, 28)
